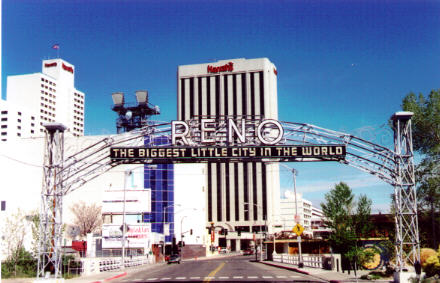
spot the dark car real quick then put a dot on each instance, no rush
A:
(174, 259)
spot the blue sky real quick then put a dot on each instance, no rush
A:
(342, 65)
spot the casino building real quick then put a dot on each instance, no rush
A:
(242, 196)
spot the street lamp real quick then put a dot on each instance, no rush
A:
(265, 228)
(181, 237)
(164, 223)
(298, 238)
(181, 229)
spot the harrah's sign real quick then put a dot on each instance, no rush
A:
(225, 68)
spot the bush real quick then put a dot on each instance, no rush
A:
(425, 253)
(25, 266)
(432, 266)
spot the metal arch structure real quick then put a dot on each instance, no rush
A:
(395, 167)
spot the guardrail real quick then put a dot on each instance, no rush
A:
(97, 265)
(314, 261)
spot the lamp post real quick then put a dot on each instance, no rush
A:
(124, 227)
(181, 236)
(164, 223)
(300, 263)
(265, 228)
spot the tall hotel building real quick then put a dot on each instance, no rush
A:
(35, 99)
(240, 196)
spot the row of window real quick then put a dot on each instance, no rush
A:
(47, 81)
(46, 119)
(78, 118)
(77, 130)
(47, 113)
(47, 106)
(48, 94)
(78, 101)
(79, 95)
(49, 88)
(78, 112)
(78, 124)
(5, 112)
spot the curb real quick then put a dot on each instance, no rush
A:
(111, 278)
(287, 267)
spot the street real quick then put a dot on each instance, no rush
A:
(229, 268)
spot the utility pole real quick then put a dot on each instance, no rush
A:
(298, 238)
(300, 263)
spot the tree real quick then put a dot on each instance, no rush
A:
(87, 217)
(14, 232)
(426, 141)
(347, 219)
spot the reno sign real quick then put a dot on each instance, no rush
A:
(227, 140)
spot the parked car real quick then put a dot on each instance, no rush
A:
(224, 250)
(248, 252)
(175, 258)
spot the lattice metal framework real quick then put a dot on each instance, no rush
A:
(51, 209)
(394, 167)
(405, 195)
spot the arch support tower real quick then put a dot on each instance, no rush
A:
(405, 198)
(50, 232)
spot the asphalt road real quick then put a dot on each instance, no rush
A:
(228, 269)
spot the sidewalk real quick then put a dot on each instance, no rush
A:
(326, 275)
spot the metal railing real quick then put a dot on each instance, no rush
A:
(314, 261)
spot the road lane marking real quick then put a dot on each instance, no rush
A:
(252, 277)
(211, 275)
(265, 277)
(195, 277)
(238, 277)
(224, 277)
(165, 278)
(180, 278)
(281, 276)
(151, 279)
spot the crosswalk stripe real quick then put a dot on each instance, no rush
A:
(151, 279)
(267, 276)
(238, 277)
(252, 277)
(165, 278)
(281, 276)
(223, 277)
(195, 277)
(180, 278)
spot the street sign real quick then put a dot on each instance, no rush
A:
(297, 218)
(298, 229)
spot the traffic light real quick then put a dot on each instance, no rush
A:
(239, 232)
(225, 232)
(190, 231)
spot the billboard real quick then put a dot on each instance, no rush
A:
(137, 236)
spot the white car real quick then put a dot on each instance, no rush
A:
(224, 251)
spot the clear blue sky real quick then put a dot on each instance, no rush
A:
(342, 65)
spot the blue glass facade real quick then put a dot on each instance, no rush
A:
(160, 178)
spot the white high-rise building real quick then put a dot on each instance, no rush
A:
(288, 210)
(240, 196)
(38, 98)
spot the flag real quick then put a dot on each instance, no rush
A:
(56, 46)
